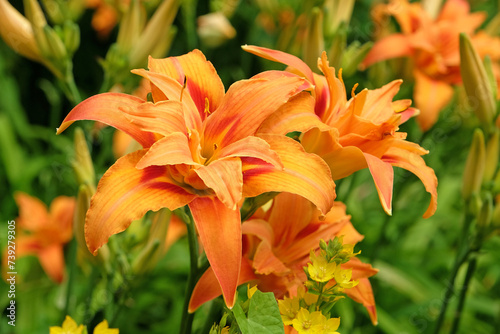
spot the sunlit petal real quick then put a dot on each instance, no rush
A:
(219, 229)
(126, 193)
(110, 108)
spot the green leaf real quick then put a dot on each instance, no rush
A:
(263, 315)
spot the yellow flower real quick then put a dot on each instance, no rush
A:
(331, 326)
(307, 323)
(343, 278)
(251, 291)
(320, 270)
(69, 326)
(289, 307)
(102, 328)
(307, 297)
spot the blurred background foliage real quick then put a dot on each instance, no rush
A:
(414, 255)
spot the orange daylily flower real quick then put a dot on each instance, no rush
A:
(433, 45)
(353, 134)
(105, 17)
(43, 232)
(200, 149)
(277, 244)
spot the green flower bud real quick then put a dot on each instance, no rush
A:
(476, 82)
(474, 167)
(492, 152)
(314, 43)
(82, 163)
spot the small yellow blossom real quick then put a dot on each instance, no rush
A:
(251, 291)
(347, 251)
(331, 326)
(308, 323)
(343, 278)
(69, 326)
(307, 297)
(289, 307)
(102, 328)
(320, 270)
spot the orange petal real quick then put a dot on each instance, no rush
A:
(170, 150)
(413, 162)
(33, 213)
(164, 87)
(164, 117)
(281, 57)
(259, 228)
(110, 108)
(290, 214)
(245, 106)
(251, 147)
(266, 262)
(208, 288)
(363, 293)
(52, 261)
(126, 193)
(430, 97)
(359, 269)
(383, 176)
(219, 229)
(393, 46)
(202, 81)
(296, 115)
(225, 179)
(304, 174)
(61, 217)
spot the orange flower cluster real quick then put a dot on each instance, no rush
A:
(209, 149)
(433, 46)
(43, 233)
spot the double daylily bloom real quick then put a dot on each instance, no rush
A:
(353, 134)
(277, 244)
(433, 45)
(201, 148)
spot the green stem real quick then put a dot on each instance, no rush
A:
(69, 87)
(461, 300)
(187, 318)
(459, 261)
(71, 275)
(213, 315)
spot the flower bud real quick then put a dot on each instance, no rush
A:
(485, 215)
(337, 12)
(353, 56)
(214, 29)
(82, 205)
(156, 29)
(495, 217)
(432, 7)
(17, 32)
(490, 72)
(56, 11)
(71, 37)
(314, 43)
(492, 152)
(153, 250)
(131, 26)
(474, 167)
(82, 163)
(476, 82)
(337, 48)
(58, 52)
